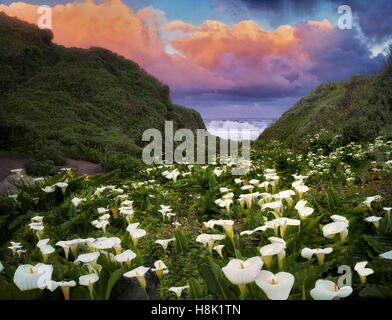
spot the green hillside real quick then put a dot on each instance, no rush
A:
(84, 104)
(359, 110)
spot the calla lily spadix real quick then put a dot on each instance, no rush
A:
(320, 253)
(331, 229)
(241, 272)
(88, 281)
(64, 285)
(276, 287)
(362, 271)
(328, 290)
(27, 277)
(126, 257)
(269, 250)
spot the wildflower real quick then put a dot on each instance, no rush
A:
(126, 257)
(46, 250)
(89, 280)
(64, 285)
(217, 172)
(178, 290)
(269, 250)
(276, 206)
(136, 234)
(328, 290)
(76, 201)
(320, 253)
(276, 287)
(219, 249)
(227, 226)
(27, 277)
(369, 200)
(373, 219)
(160, 268)
(62, 185)
(333, 228)
(139, 273)
(164, 243)
(243, 272)
(362, 271)
(209, 239)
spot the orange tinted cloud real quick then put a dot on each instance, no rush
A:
(213, 56)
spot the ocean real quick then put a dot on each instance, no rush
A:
(233, 128)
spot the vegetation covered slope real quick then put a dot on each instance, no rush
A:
(85, 104)
(359, 110)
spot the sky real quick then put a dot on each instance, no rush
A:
(228, 58)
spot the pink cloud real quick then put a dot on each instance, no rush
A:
(214, 55)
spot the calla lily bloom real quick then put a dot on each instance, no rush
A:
(65, 245)
(1, 267)
(14, 247)
(219, 249)
(46, 250)
(87, 258)
(249, 232)
(386, 255)
(331, 229)
(89, 280)
(160, 267)
(209, 239)
(328, 290)
(276, 287)
(62, 185)
(269, 250)
(362, 271)
(164, 242)
(227, 226)
(224, 203)
(320, 253)
(217, 172)
(48, 189)
(369, 200)
(178, 290)
(241, 272)
(373, 219)
(136, 234)
(27, 277)
(139, 273)
(64, 285)
(76, 201)
(301, 189)
(276, 206)
(126, 257)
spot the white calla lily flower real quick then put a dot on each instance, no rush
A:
(276, 287)
(328, 290)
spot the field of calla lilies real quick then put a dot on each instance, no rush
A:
(309, 225)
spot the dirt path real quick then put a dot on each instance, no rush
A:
(9, 163)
